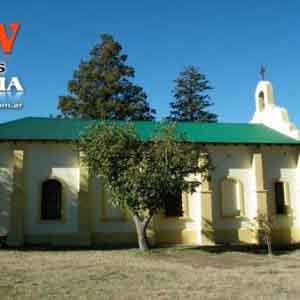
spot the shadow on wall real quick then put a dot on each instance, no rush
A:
(173, 231)
(208, 233)
(217, 229)
(5, 193)
(282, 230)
(237, 234)
(281, 233)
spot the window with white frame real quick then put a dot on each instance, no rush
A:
(231, 197)
(51, 200)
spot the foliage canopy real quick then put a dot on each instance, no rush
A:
(190, 99)
(142, 175)
(101, 87)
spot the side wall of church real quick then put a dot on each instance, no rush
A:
(279, 163)
(232, 162)
(20, 211)
(106, 224)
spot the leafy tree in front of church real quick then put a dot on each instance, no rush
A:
(143, 176)
(101, 87)
(191, 101)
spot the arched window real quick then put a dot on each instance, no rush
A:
(232, 197)
(51, 200)
(281, 197)
(261, 101)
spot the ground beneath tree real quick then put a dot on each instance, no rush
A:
(170, 273)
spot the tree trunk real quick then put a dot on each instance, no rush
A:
(141, 227)
(269, 245)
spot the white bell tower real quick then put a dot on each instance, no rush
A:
(271, 115)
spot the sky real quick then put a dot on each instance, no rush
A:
(227, 40)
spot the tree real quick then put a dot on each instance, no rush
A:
(191, 102)
(101, 87)
(141, 176)
(263, 225)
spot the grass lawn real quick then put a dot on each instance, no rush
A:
(171, 273)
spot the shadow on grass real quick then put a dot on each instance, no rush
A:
(215, 249)
(253, 249)
(67, 248)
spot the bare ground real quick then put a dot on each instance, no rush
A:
(171, 273)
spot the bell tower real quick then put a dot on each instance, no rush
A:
(269, 114)
(264, 95)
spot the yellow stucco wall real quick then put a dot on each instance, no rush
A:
(89, 218)
(255, 167)
(6, 185)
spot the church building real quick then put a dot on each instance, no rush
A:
(47, 196)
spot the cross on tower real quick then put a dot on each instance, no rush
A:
(262, 72)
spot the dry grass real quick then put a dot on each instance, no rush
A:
(162, 274)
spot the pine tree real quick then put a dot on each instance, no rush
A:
(191, 101)
(101, 87)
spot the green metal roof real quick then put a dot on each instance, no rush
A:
(70, 129)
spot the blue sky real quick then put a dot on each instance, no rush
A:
(227, 40)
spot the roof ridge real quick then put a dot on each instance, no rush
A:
(135, 121)
(13, 121)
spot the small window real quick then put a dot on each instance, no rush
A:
(232, 198)
(281, 198)
(174, 205)
(261, 101)
(51, 200)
